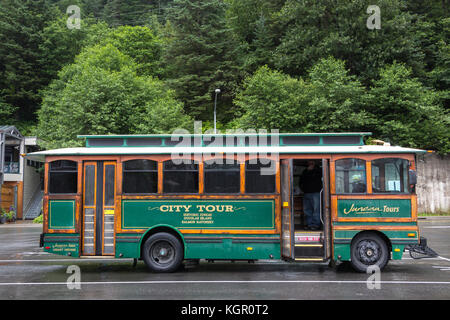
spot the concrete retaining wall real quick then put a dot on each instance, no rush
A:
(433, 183)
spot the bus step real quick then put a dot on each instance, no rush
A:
(312, 237)
(310, 259)
(309, 250)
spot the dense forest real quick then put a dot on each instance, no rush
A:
(151, 66)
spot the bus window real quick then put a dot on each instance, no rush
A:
(222, 178)
(350, 176)
(63, 177)
(140, 176)
(390, 175)
(256, 179)
(180, 178)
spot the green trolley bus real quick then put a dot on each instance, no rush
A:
(165, 199)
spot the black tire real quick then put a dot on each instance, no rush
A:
(369, 249)
(162, 252)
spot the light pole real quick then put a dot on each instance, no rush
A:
(215, 103)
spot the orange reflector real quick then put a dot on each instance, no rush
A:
(285, 204)
(411, 234)
(249, 248)
(397, 250)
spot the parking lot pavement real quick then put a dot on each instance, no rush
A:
(28, 273)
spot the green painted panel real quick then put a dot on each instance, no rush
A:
(342, 252)
(61, 214)
(62, 244)
(226, 249)
(397, 251)
(127, 250)
(374, 208)
(199, 214)
(393, 235)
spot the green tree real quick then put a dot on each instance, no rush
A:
(329, 100)
(60, 45)
(270, 100)
(101, 93)
(139, 43)
(21, 24)
(200, 57)
(407, 113)
(316, 29)
(337, 99)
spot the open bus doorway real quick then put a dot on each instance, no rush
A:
(301, 243)
(308, 194)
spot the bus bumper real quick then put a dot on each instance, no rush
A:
(421, 250)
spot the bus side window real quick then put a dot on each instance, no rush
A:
(222, 178)
(63, 176)
(390, 175)
(350, 176)
(258, 176)
(140, 176)
(180, 178)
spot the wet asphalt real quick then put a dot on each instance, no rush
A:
(26, 272)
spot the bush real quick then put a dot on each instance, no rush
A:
(39, 219)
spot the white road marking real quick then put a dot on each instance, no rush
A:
(437, 227)
(442, 268)
(221, 281)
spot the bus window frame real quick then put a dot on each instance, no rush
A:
(203, 173)
(48, 172)
(365, 173)
(199, 183)
(368, 158)
(276, 176)
(123, 170)
(407, 177)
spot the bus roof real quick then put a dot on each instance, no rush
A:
(237, 139)
(264, 150)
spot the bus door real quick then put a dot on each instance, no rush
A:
(287, 210)
(326, 208)
(303, 243)
(99, 191)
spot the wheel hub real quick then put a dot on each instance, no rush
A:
(162, 252)
(369, 252)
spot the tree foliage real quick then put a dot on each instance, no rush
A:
(296, 65)
(200, 57)
(101, 93)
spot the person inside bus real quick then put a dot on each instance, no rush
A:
(311, 184)
(358, 186)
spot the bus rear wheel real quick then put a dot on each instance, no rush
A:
(368, 249)
(162, 252)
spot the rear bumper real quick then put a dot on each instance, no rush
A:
(421, 250)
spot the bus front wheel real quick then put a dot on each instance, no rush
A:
(162, 252)
(368, 249)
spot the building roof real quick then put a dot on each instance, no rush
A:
(11, 131)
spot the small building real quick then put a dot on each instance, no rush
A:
(20, 179)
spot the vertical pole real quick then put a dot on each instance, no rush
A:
(215, 103)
